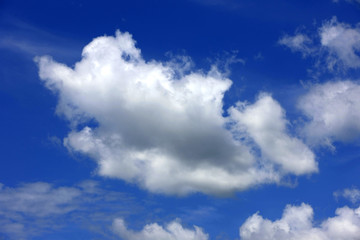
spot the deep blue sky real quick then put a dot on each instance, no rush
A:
(209, 32)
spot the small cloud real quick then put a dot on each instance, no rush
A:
(341, 43)
(55, 140)
(259, 56)
(349, 1)
(298, 43)
(335, 47)
(172, 231)
(226, 4)
(351, 194)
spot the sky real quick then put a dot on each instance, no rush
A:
(180, 119)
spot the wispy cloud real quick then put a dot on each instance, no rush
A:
(297, 223)
(349, 1)
(351, 194)
(227, 4)
(298, 43)
(32, 209)
(19, 36)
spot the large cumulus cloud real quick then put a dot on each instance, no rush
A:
(166, 130)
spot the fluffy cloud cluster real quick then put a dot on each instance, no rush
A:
(339, 45)
(333, 109)
(297, 224)
(172, 231)
(165, 130)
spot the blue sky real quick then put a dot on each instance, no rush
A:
(189, 120)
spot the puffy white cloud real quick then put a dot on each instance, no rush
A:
(266, 125)
(342, 42)
(333, 109)
(172, 231)
(297, 224)
(352, 194)
(162, 128)
(298, 43)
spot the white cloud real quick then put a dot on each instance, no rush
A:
(172, 231)
(163, 130)
(266, 124)
(352, 194)
(298, 43)
(335, 47)
(333, 109)
(342, 43)
(297, 224)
